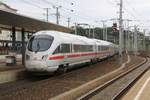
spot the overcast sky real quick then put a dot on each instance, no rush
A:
(86, 11)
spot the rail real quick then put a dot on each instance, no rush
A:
(108, 83)
(124, 90)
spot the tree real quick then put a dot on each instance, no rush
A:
(112, 36)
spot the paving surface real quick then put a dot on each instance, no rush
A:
(141, 90)
(43, 88)
(4, 67)
(112, 90)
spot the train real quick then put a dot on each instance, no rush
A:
(53, 51)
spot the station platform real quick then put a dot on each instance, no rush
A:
(141, 90)
(3, 66)
(3, 58)
(10, 73)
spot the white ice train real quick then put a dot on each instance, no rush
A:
(50, 51)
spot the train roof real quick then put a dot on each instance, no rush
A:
(101, 42)
(68, 38)
(71, 38)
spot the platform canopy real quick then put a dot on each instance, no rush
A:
(9, 20)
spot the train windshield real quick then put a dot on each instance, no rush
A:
(40, 43)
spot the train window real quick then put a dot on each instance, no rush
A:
(65, 48)
(90, 48)
(76, 48)
(40, 43)
(99, 48)
(83, 48)
(103, 48)
(58, 50)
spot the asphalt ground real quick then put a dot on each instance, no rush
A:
(45, 87)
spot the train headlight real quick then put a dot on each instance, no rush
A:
(44, 57)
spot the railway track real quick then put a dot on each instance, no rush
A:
(115, 88)
(56, 85)
(32, 89)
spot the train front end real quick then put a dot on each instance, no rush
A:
(37, 53)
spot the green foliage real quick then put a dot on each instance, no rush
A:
(98, 33)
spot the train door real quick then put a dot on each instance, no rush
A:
(75, 55)
(70, 57)
(66, 50)
(96, 50)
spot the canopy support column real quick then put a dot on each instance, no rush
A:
(23, 46)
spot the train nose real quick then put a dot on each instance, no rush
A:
(44, 57)
(27, 57)
(36, 63)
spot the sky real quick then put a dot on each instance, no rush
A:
(87, 11)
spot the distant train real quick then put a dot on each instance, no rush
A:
(50, 51)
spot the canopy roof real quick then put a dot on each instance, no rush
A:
(9, 20)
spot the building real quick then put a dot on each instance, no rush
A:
(6, 34)
(5, 7)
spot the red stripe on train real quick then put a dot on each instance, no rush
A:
(56, 57)
(75, 55)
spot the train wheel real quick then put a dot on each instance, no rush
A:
(62, 69)
(97, 59)
(93, 61)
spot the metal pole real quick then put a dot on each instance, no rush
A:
(13, 38)
(76, 28)
(89, 31)
(144, 40)
(69, 22)
(103, 29)
(57, 15)
(128, 35)
(47, 13)
(93, 32)
(106, 34)
(23, 46)
(135, 40)
(120, 28)
(124, 37)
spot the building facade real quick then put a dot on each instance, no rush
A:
(6, 34)
(5, 7)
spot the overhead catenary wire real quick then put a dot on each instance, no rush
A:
(52, 4)
(112, 3)
(27, 2)
(133, 9)
(67, 11)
